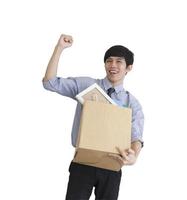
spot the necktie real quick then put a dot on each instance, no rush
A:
(110, 91)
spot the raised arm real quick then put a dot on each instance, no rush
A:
(64, 41)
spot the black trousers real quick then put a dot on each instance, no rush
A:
(83, 179)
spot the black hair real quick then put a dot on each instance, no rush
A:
(120, 51)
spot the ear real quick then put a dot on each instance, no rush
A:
(129, 68)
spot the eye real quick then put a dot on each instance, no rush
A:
(108, 61)
(120, 61)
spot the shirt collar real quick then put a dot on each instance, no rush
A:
(107, 84)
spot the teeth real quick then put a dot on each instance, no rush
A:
(113, 72)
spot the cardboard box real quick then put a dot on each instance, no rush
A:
(102, 128)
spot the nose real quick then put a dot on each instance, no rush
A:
(113, 64)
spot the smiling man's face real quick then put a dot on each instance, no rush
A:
(116, 69)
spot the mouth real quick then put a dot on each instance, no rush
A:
(113, 72)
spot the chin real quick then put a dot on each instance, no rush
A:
(114, 81)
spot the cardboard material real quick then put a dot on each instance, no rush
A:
(97, 159)
(102, 128)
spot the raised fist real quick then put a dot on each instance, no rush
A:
(65, 41)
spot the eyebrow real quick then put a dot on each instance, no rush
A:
(117, 58)
(120, 58)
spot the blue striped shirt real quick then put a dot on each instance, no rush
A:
(71, 86)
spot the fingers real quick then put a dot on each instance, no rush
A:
(68, 39)
(126, 157)
(121, 152)
(118, 158)
(130, 151)
(65, 41)
(124, 153)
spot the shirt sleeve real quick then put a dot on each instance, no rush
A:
(137, 120)
(64, 86)
(69, 87)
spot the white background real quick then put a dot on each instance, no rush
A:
(35, 125)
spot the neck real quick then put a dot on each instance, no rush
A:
(116, 83)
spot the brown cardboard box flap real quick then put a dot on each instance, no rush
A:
(95, 158)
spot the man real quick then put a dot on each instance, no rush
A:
(118, 62)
